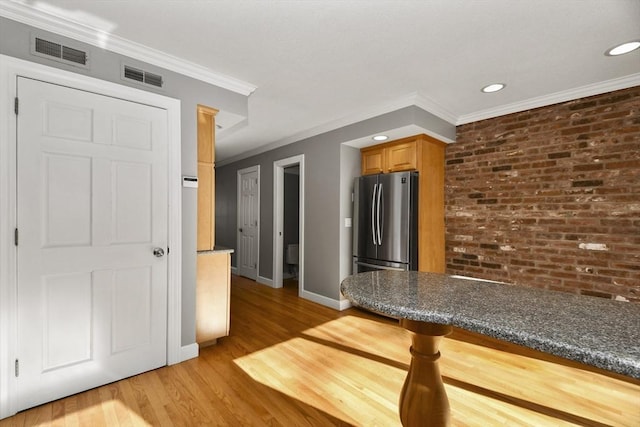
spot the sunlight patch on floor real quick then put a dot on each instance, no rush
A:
(525, 381)
(357, 332)
(113, 412)
(331, 380)
(339, 368)
(118, 413)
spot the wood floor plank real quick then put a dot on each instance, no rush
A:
(290, 362)
(112, 406)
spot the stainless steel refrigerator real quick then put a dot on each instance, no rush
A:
(385, 229)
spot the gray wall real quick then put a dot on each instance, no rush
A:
(322, 170)
(105, 65)
(329, 171)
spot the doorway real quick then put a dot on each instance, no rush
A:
(248, 221)
(287, 257)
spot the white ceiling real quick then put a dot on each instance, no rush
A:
(318, 64)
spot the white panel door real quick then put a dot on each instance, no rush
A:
(92, 207)
(248, 221)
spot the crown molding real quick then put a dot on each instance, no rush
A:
(435, 108)
(409, 100)
(84, 33)
(554, 98)
(420, 101)
(361, 115)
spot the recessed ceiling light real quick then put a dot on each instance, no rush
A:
(380, 138)
(623, 48)
(494, 87)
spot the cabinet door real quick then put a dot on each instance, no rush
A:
(206, 212)
(212, 297)
(372, 161)
(401, 157)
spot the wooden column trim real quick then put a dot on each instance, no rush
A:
(206, 177)
(423, 399)
(431, 227)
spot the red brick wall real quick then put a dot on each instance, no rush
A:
(549, 197)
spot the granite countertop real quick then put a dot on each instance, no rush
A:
(217, 250)
(596, 331)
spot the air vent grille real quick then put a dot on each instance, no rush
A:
(60, 52)
(48, 48)
(153, 79)
(133, 74)
(74, 55)
(142, 76)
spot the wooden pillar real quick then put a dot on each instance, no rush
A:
(423, 400)
(206, 178)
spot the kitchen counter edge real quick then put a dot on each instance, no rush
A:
(217, 250)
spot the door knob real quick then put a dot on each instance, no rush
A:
(158, 252)
(240, 229)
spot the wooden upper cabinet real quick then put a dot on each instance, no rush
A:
(401, 155)
(206, 178)
(372, 160)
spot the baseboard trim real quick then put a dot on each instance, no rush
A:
(265, 281)
(234, 270)
(322, 300)
(345, 304)
(190, 351)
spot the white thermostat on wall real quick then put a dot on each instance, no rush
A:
(190, 181)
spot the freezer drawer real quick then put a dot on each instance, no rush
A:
(361, 265)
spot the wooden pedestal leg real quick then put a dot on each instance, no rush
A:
(423, 400)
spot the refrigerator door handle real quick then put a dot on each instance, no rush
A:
(379, 203)
(373, 214)
(379, 267)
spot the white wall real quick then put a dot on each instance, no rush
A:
(349, 170)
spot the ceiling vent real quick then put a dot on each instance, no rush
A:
(59, 52)
(141, 76)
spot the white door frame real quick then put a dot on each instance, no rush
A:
(10, 69)
(239, 173)
(278, 219)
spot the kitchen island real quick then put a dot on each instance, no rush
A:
(590, 330)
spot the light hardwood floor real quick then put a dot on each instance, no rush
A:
(291, 362)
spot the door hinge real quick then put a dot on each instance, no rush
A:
(15, 237)
(17, 368)
(168, 250)
(15, 105)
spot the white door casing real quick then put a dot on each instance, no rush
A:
(10, 70)
(278, 220)
(248, 221)
(92, 206)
